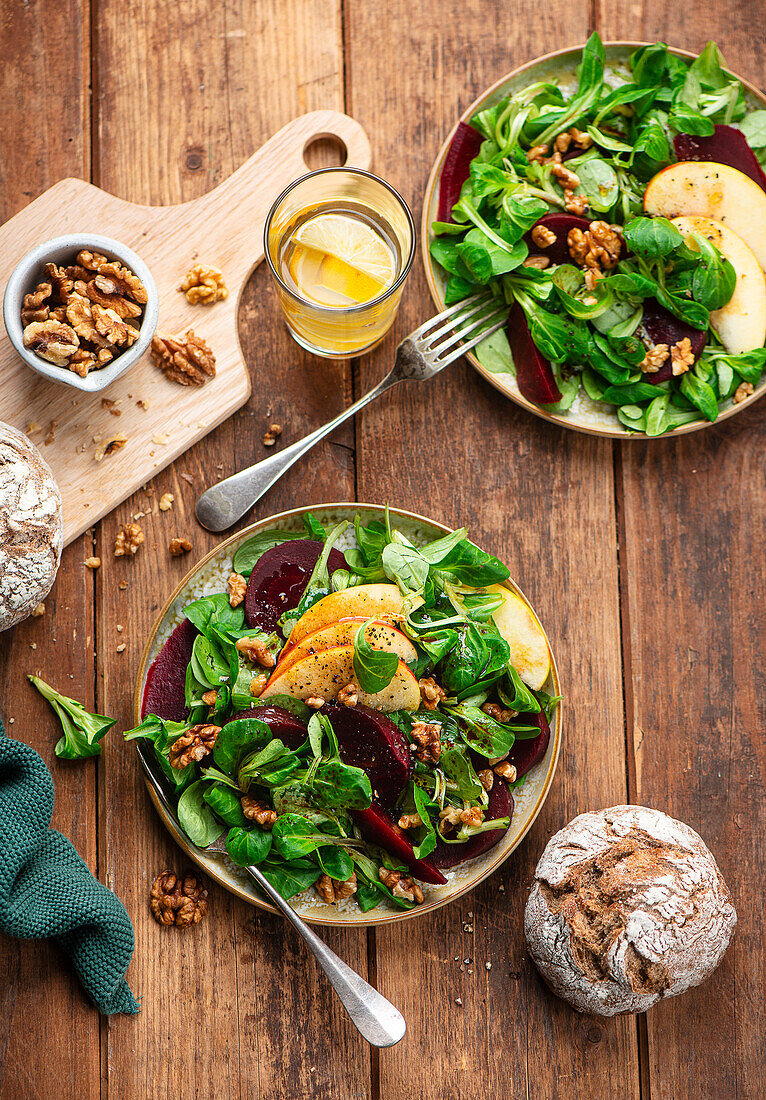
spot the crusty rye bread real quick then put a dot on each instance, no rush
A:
(627, 907)
(30, 527)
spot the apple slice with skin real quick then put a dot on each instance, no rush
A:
(365, 601)
(740, 325)
(380, 635)
(725, 146)
(711, 190)
(530, 655)
(323, 675)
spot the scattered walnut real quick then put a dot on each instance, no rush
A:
(259, 682)
(568, 179)
(256, 651)
(51, 340)
(107, 445)
(742, 392)
(124, 281)
(272, 434)
(399, 886)
(430, 692)
(38, 611)
(316, 702)
(142, 403)
(51, 433)
(110, 406)
(104, 292)
(128, 539)
(575, 204)
(187, 361)
(204, 286)
(500, 714)
(592, 276)
(540, 262)
(166, 502)
(450, 818)
(597, 247)
(410, 821)
(92, 563)
(92, 261)
(33, 307)
(428, 736)
(543, 237)
(682, 356)
(486, 778)
(537, 153)
(332, 891)
(506, 771)
(348, 696)
(197, 743)
(562, 142)
(180, 901)
(580, 138)
(258, 812)
(112, 328)
(654, 358)
(179, 546)
(209, 698)
(237, 589)
(32, 426)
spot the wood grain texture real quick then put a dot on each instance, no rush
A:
(456, 451)
(41, 1001)
(255, 1015)
(694, 513)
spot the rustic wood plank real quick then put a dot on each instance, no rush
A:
(543, 500)
(41, 1002)
(694, 517)
(235, 1003)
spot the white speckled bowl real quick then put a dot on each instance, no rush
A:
(209, 575)
(584, 415)
(62, 250)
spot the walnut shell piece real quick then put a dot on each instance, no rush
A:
(628, 907)
(53, 341)
(178, 900)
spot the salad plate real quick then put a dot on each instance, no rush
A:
(425, 758)
(655, 135)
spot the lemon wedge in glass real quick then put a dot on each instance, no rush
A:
(340, 261)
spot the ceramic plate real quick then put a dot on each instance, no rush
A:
(584, 415)
(208, 576)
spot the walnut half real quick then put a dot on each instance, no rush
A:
(186, 360)
(52, 340)
(179, 901)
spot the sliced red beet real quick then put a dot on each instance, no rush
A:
(500, 805)
(525, 754)
(283, 724)
(457, 164)
(165, 687)
(379, 827)
(279, 578)
(560, 224)
(663, 328)
(725, 146)
(534, 373)
(369, 740)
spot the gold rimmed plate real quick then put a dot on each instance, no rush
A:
(209, 575)
(585, 415)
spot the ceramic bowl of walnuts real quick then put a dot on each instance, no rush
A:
(81, 310)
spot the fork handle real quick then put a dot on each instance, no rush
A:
(223, 504)
(376, 1019)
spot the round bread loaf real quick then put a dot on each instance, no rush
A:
(30, 527)
(627, 907)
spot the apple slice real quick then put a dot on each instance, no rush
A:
(530, 655)
(380, 635)
(725, 146)
(365, 601)
(741, 324)
(711, 190)
(324, 674)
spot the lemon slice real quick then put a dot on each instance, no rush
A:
(351, 241)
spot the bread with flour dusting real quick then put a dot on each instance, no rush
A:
(30, 527)
(627, 907)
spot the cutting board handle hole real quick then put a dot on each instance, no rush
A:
(325, 151)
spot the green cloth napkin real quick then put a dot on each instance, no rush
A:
(46, 890)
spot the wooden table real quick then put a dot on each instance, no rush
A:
(645, 561)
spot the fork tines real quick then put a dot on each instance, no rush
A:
(460, 327)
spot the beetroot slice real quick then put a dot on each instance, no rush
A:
(560, 224)
(457, 164)
(534, 374)
(369, 740)
(279, 578)
(525, 754)
(500, 805)
(165, 687)
(379, 827)
(282, 723)
(663, 328)
(725, 146)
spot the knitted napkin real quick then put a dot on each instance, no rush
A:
(46, 890)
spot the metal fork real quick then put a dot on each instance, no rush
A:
(376, 1019)
(425, 352)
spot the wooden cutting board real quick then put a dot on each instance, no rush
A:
(223, 229)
